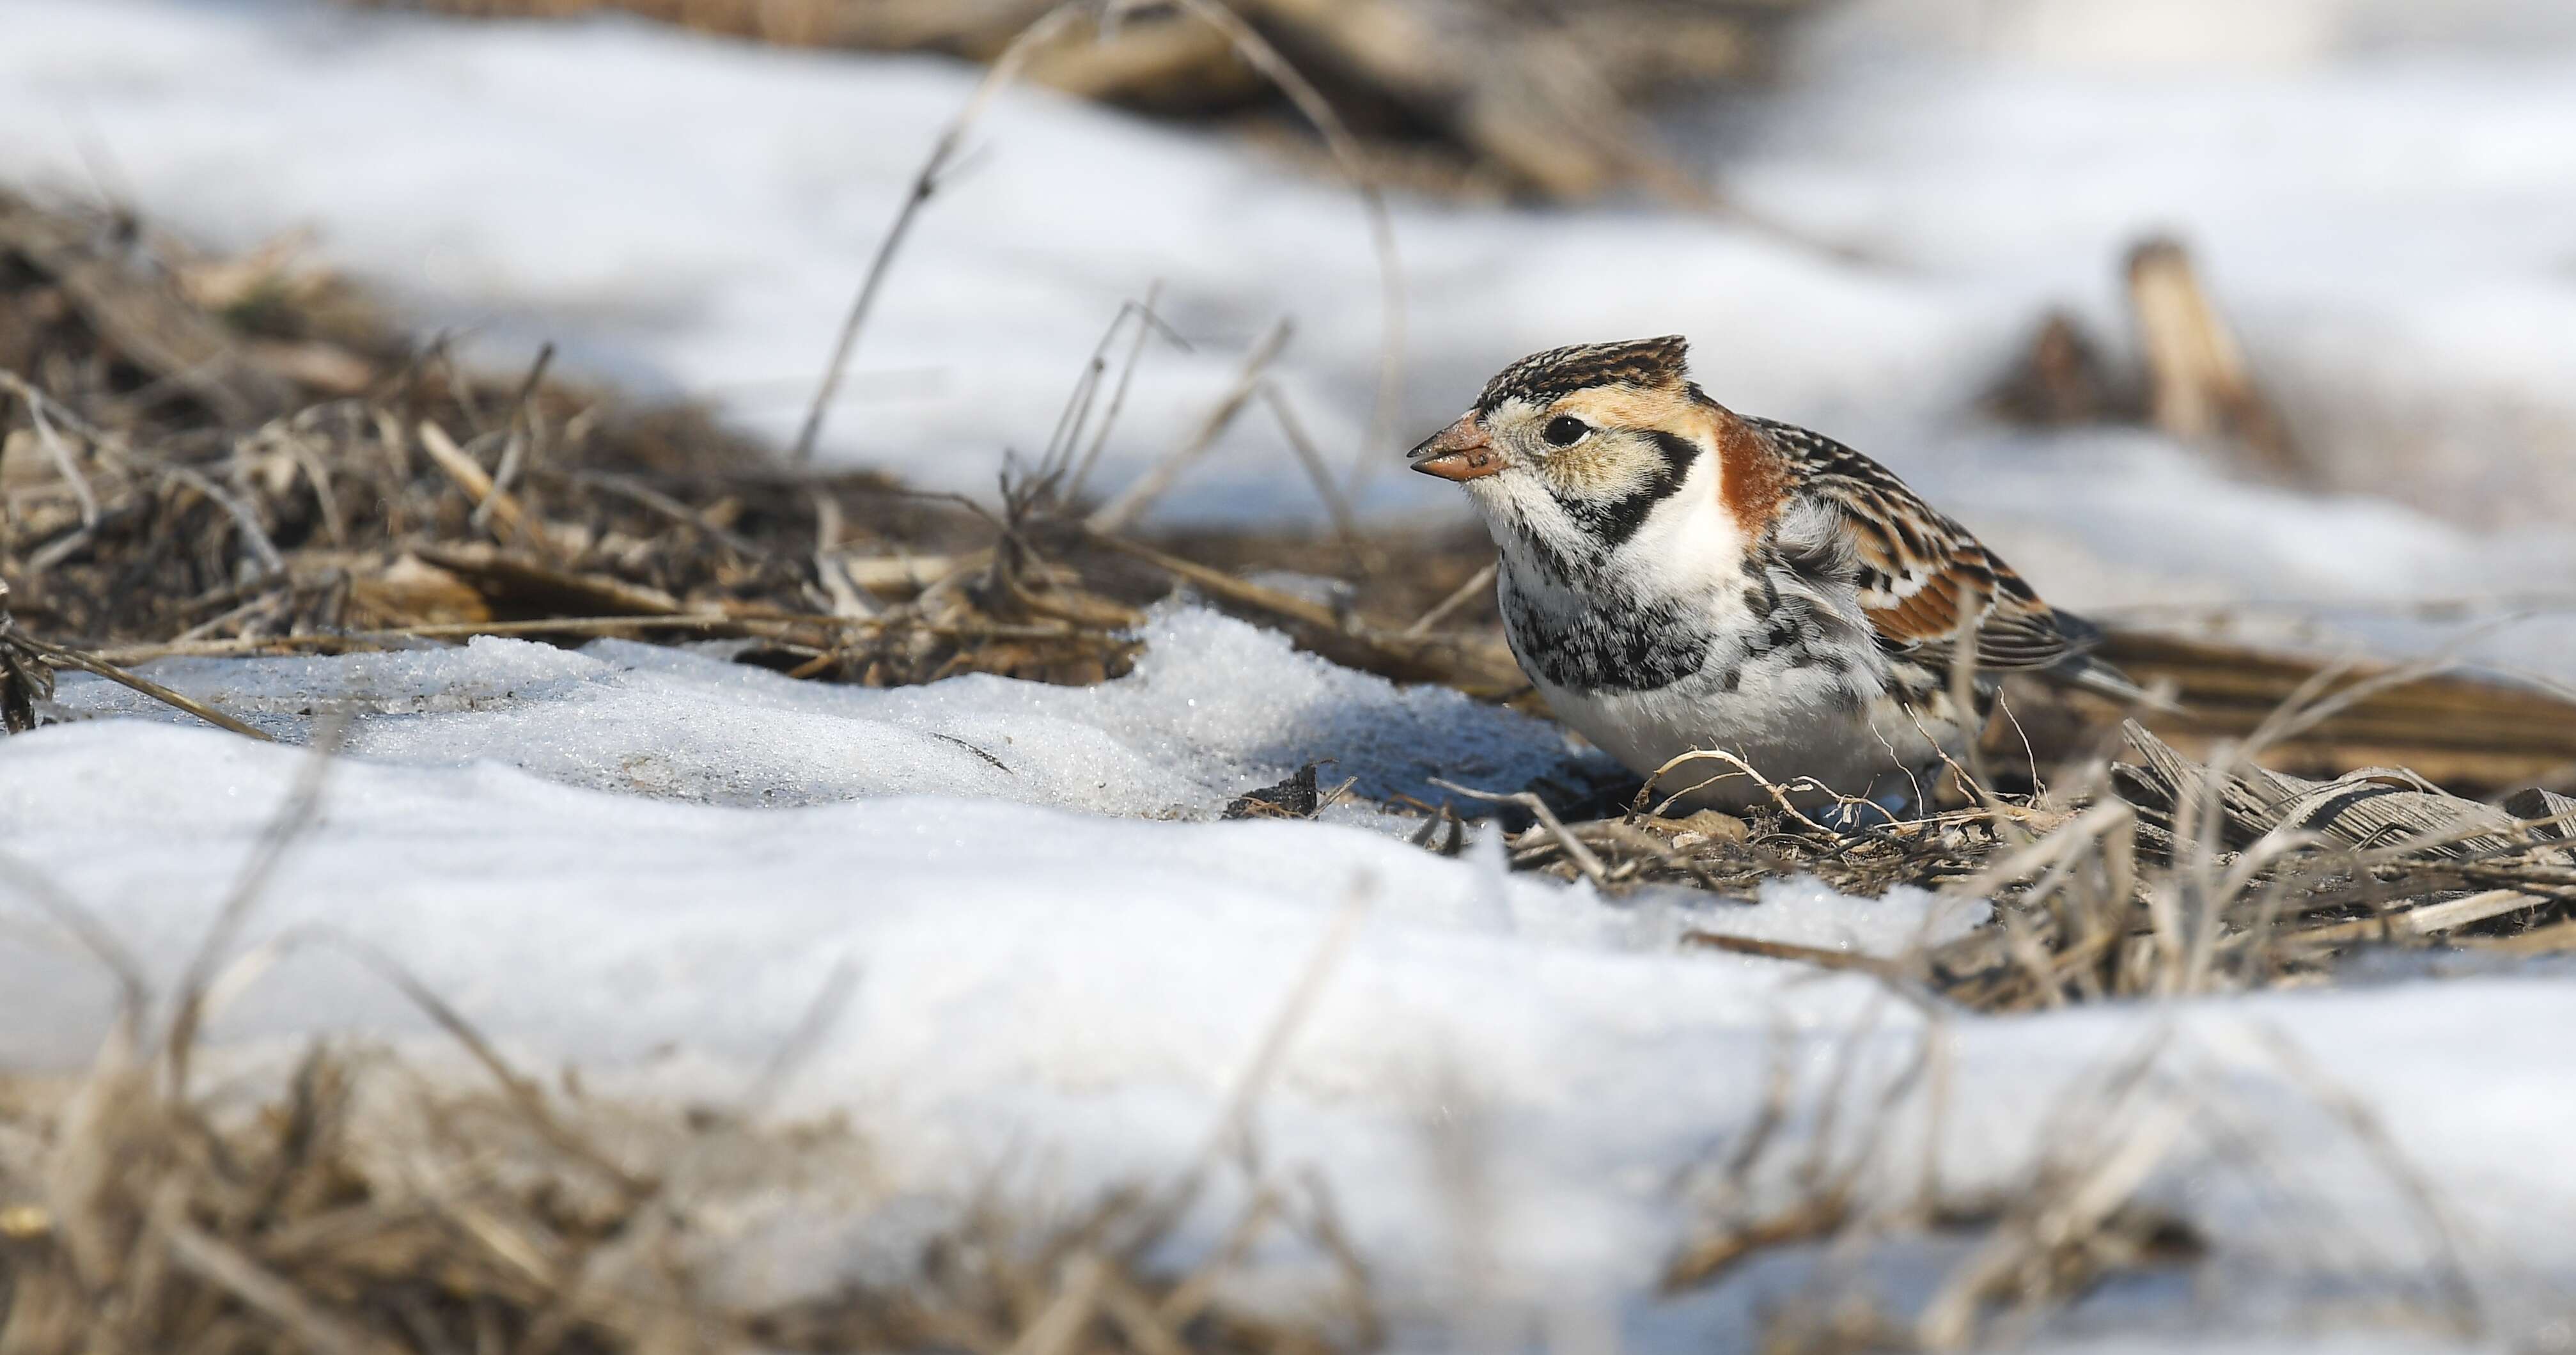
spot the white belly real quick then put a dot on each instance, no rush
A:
(1807, 711)
(1798, 729)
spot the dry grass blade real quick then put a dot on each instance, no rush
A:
(62, 655)
(1336, 504)
(1119, 513)
(303, 802)
(524, 1094)
(1327, 122)
(134, 990)
(1583, 857)
(821, 1015)
(1889, 970)
(66, 464)
(1235, 1122)
(2014, 1261)
(338, 1218)
(1780, 794)
(1477, 585)
(2430, 919)
(2464, 731)
(943, 154)
(487, 498)
(292, 1308)
(248, 522)
(2459, 1290)
(1148, 323)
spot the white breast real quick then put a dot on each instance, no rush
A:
(1812, 715)
(1668, 646)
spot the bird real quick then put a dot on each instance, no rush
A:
(1745, 612)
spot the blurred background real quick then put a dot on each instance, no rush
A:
(332, 331)
(2256, 316)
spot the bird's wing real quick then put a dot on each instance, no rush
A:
(1921, 576)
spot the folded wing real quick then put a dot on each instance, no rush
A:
(1923, 579)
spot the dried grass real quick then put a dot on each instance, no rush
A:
(426, 500)
(2149, 875)
(159, 506)
(1840, 1181)
(1542, 98)
(232, 456)
(367, 1202)
(371, 1207)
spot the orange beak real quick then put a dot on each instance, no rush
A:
(1458, 452)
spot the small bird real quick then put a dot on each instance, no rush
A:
(1678, 578)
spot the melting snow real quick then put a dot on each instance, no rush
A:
(647, 860)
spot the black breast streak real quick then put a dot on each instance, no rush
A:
(1616, 639)
(1551, 562)
(1621, 643)
(1794, 633)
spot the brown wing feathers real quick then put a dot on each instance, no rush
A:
(1921, 575)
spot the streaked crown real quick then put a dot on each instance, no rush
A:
(1645, 364)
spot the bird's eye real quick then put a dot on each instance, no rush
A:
(1564, 430)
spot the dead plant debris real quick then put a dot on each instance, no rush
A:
(373, 1206)
(1541, 98)
(1842, 1176)
(234, 456)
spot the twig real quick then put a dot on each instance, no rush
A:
(1467, 592)
(279, 1299)
(470, 478)
(1575, 851)
(64, 462)
(1114, 516)
(1336, 504)
(1345, 149)
(1814, 955)
(270, 561)
(1226, 586)
(460, 630)
(1148, 321)
(47, 650)
(1005, 69)
(1265, 1061)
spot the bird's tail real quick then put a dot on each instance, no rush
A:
(2082, 670)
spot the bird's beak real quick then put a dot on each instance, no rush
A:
(1458, 452)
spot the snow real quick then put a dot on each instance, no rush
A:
(1213, 709)
(1097, 981)
(644, 862)
(1033, 976)
(2386, 220)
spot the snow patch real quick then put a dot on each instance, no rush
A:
(1214, 708)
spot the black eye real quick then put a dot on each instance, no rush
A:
(1564, 430)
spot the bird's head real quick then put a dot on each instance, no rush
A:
(1578, 447)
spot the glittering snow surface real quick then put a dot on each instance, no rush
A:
(644, 861)
(1215, 708)
(1065, 950)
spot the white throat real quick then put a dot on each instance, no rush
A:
(1686, 541)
